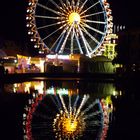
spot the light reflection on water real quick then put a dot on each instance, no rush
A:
(41, 91)
(64, 87)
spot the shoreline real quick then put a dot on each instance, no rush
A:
(105, 77)
(58, 76)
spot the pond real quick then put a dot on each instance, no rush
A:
(69, 109)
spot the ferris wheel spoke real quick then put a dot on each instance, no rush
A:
(39, 114)
(90, 107)
(73, 5)
(72, 38)
(59, 43)
(79, 45)
(77, 4)
(58, 7)
(93, 29)
(92, 115)
(70, 108)
(54, 24)
(54, 32)
(88, 46)
(91, 36)
(93, 21)
(102, 12)
(67, 2)
(82, 6)
(60, 39)
(90, 7)
(84, 40)
(75, 102)
(58, 102)
(49, 9)
(95, 123)
(65, 40)
(62, 4)
(63, 104)
(49, 17)
(84, 100)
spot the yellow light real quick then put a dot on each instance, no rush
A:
(70, 125)
(74, 18)
(67, 126)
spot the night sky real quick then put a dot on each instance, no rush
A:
(13, 24)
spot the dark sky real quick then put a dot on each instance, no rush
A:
(13, 24)
(126, 12)
(12, 19)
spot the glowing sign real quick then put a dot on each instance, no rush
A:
(61, 91)
(58, 57)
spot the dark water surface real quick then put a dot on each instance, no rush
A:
(125, 97)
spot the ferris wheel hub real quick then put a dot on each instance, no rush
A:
(74, 18)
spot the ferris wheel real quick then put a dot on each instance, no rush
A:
(68, 26)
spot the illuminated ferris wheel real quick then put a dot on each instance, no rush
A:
(69, 26)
